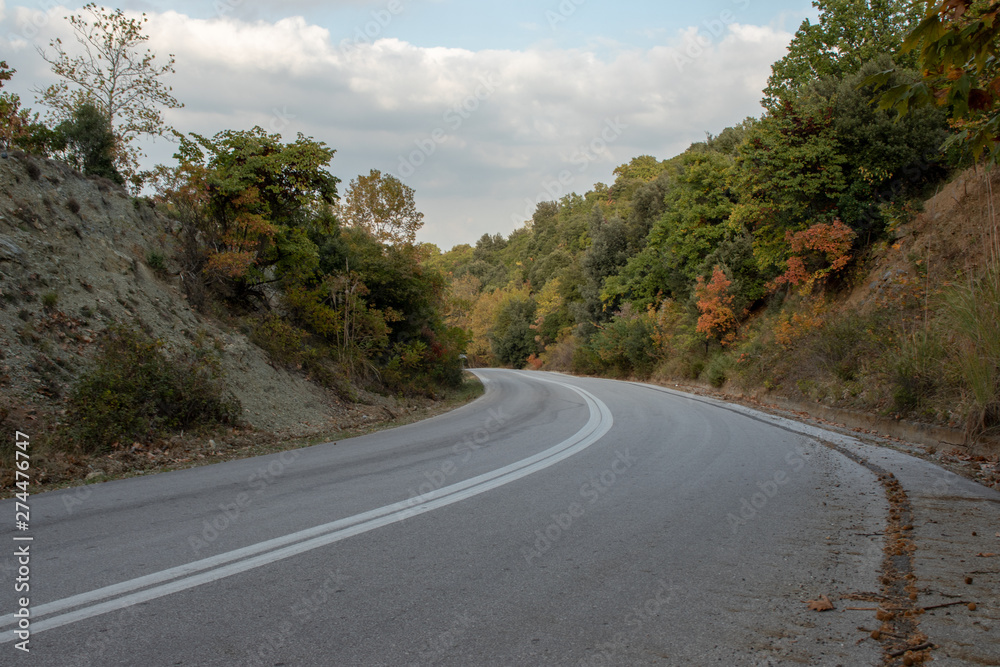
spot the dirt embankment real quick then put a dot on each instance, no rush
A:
(79, 254)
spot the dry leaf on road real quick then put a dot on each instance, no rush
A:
(822, 604)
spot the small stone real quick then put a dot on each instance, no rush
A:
(972, 606)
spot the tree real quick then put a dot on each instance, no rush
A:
(13, 119)
(253, 199)
(115, 76)
(715, 303)
(789, 174)
(959, 49)
(383, 205)
(849, 34)
(90, 143)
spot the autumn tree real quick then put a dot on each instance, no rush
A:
(115, 74)
(818, 252)
(13, 119)
(253, 200)
(717, 320)
(383, 205)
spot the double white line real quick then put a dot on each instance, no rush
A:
(207, 570)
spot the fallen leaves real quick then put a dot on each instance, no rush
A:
(821, 604)
(986, 555)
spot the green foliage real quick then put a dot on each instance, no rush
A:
(511, 337)
(254, 199)
(789, 174)
(849, 34)
(90, 143)
(718, 369)
(155, 259)
(135, 391)
(958, 45)
(625, 345)
(49, 300)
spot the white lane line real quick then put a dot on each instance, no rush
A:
(240, 560)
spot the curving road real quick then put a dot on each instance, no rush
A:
(556, 520)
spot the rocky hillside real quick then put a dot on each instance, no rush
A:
(78, 254)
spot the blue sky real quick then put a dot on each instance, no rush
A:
(483, 108)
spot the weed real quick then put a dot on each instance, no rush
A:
(49, 300)
(73, 205)
(973, 311)
(916, 370)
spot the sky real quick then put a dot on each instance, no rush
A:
(484, 108)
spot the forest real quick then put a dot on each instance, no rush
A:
(733, 263)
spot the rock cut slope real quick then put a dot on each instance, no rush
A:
(75, 255)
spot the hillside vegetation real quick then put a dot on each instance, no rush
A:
(841, 248)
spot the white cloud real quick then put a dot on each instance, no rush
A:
(488, 128)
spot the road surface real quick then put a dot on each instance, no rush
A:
(554, 521)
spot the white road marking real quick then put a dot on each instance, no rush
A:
(233, 562)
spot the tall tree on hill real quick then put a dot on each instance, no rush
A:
(114, 74)
(383, 205)
(849, 34)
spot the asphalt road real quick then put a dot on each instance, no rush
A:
(554, 521)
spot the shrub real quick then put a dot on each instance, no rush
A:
(49, 300)
(34, 171)
(134, 391)
(282, 341)
(717, 371)
(156, 260)
(73, 205)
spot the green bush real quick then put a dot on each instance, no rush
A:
(156, 260)
(717, 370)
(135, 391)
(283, 342)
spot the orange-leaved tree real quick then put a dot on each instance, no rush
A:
(717, 320)
(820, 251)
